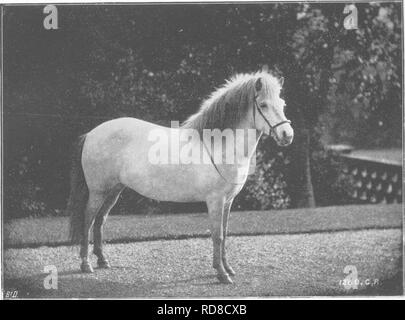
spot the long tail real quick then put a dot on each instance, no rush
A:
(79, 194)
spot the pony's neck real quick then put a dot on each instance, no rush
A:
(242, 146)
(251, 138)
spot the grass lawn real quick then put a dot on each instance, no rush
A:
(34, 232)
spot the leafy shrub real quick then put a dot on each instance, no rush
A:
(22, 196)
(331, 185)
(266, 187)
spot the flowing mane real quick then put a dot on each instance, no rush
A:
(228, 105)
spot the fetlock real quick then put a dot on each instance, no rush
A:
(86, 267)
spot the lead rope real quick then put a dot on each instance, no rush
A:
(216, 168)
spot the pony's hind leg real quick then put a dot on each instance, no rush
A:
(101, 217)
(227, 209)
(94, 204)
(215, 211)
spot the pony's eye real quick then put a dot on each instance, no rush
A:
(263, 106)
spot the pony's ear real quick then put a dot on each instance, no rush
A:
(281, 81)
(258, 85)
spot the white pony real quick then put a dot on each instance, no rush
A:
(117, 154)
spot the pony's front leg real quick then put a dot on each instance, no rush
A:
(227, 209)
(215, 211)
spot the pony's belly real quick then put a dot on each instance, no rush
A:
(164, 194)
(170, 183)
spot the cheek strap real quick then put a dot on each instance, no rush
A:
(272, 128)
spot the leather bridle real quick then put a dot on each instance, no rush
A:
(272, 128)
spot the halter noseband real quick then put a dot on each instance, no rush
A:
(272, 128)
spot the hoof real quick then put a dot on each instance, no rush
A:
(86, 268)
(230, 271)
(224, 278)
(103, 264)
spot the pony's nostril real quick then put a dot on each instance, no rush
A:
(284, 134)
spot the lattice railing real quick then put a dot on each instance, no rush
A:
(375, 182)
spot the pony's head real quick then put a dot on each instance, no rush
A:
(246, 101)
(268, 109)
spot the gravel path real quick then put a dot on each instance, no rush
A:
(270, 265)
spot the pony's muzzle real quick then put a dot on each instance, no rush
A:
(284, 135)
